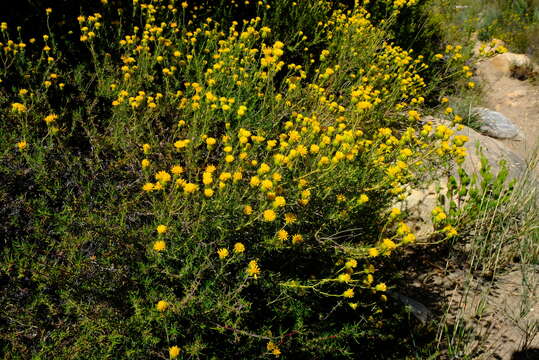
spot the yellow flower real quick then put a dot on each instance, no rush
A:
(247, 210)
(18, 107)
(173, 352)
(225, 176)
(50, 118)
(273, 348)
(266, 184)
(255, 181)
(239, 248)
(297, 238)
(362, 199)
(290, 218)
(353, 305)
(180, 182)
(163, 177)
(344, 277)
(282, 235)
(222, 252)
(242, 109)
(162, 305)
(237, 176)
(362, 105)
(180, 144)
(440, 217)
(253, 269)
(145, 163)
(161, 229)
(413, 115)
(208, 192)
(269, 215)
(348, 293)
(207, 178)
(394, 212)
(450, 231)
(176, 170)
(22, 145)
(388, 244)
(408, 238)
(159, 245)
(264, 168)
(190, 188)
(373, 252)
(368, 280)
(278, 45)
(210, 141)
(279, 202)
(403, 229)
(350, 264)
(380, 287)
(148, 187)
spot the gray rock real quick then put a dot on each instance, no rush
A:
(495, 124)
(420, 311)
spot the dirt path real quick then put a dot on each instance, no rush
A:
(516, 99)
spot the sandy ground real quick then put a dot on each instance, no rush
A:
(503, 314)
(516, 99)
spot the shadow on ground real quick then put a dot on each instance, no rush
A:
(528, 354)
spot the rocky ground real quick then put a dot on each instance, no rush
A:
(501, 313)
(509, 89)
(510, 303)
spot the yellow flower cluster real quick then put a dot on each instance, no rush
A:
(252, 141)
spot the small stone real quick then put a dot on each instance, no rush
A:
(495, 124)
(420, 311)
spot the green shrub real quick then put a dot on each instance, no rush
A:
(212, 180)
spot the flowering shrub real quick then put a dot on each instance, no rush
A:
(264, 160)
